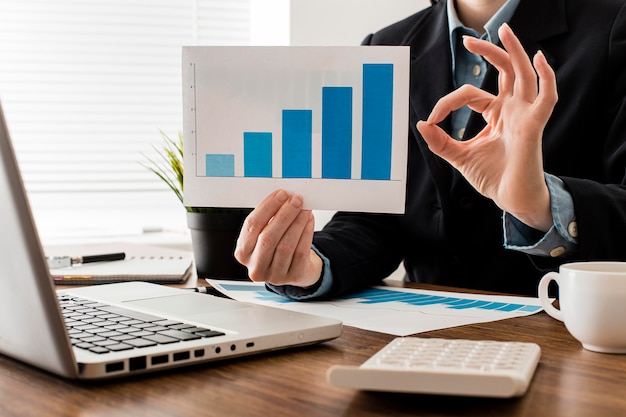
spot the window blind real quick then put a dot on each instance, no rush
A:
(86, 87)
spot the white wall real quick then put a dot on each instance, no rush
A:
(345, 22)
(324, 22)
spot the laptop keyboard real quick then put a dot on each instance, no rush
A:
(102, 328)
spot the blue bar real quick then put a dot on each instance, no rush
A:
(297, 143)
(257, 154)
(473, 304)
(460, 302)
(264, 296)
(220, 165)
(337, 132)
(398, 296)
(530, 309)
(440, 300)
(511, 307)
(236, 287)
(494, 306)
(377, 121)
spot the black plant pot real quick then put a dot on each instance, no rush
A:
(213, 239)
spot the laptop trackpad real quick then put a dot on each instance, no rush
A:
(186, 304)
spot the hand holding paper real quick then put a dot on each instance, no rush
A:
(275, 242)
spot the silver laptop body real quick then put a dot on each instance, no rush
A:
(33, 330)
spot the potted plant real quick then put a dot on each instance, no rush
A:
(214, 230)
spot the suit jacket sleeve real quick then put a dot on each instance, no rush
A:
(600, 207)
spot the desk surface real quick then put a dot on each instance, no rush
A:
(569, 381)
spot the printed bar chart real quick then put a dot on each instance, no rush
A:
(327, 122)
(377, 296)
(390, 309)
(337, 120)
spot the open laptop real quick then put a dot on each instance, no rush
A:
(120, 329)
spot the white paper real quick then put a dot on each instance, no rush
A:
(232, 92)
(412, 311)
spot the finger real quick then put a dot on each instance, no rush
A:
(273, 232)
(525, 76)
(497, 57)
(548, 95)
(466, 95)
(256, 221)
(301, 262)
(286, 249)
(438, 141)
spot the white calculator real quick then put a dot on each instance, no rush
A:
(444, 366)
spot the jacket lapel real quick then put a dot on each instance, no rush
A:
(431, 79)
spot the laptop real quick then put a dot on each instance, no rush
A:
(114, 330)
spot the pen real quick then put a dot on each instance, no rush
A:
(206, 290)
(67, 261)
(203, 290)
(72, 277)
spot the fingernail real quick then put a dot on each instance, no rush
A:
(281, 196)
(296, 201)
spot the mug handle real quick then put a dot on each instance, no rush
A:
(543, 295)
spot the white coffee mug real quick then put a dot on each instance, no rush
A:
(592, 301)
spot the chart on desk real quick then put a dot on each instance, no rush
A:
(397, 311)
(329, 123)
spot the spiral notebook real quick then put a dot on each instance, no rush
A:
(159, 269)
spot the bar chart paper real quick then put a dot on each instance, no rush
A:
(330, 123)
(392, 310)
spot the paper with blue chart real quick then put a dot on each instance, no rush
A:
(393, 310)
(330, 123)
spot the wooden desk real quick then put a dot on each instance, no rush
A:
(569, 381)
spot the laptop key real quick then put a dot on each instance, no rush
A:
(99, 349)
(203, 332)
(210, 333)
(119, 347)
(140, 342)
(106, 343)
(161, 339)
(181, 326)
(177, 334)
(122, 337)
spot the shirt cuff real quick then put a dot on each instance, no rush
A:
(321, 288)
(560, 241)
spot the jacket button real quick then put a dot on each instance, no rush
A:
(558, 251)
(476, 70)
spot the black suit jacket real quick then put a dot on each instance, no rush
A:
(450, 234)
